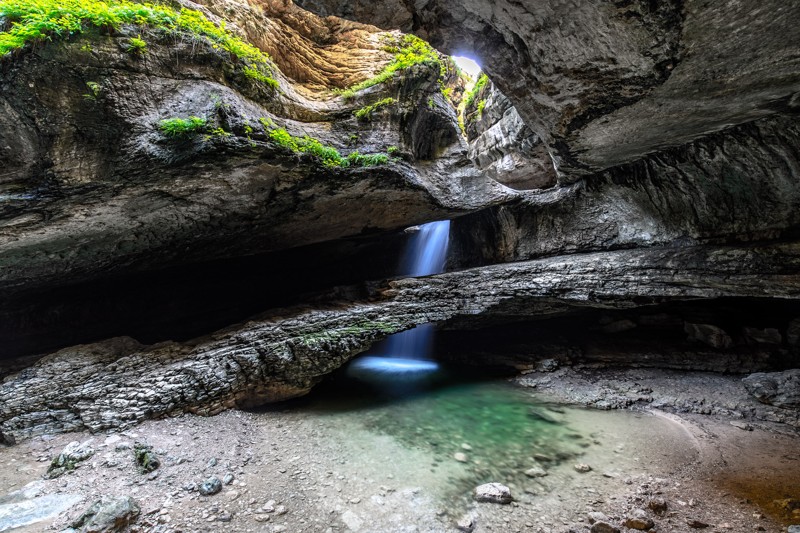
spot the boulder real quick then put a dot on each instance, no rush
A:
(781, 389)
(108, 515)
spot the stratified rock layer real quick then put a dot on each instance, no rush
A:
(118, 383)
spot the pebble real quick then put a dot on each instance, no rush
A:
(696, 524)
(638, 519)
(536, 471)
(466, 524)
(582, 468)
(596, 516)
(224, 516)
(261, 517)
(493, 493)
(228, 479)
(460, 457)
(466, 447)
(658, 505)
(211, 486)
(744, 426)
(603, 527)
(794, 529)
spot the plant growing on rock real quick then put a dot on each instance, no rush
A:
(328, 155)
(365, 113)
(469, 98)
(176, 128)
(43, 20)
(136, 46)
(408, 51)
(94, 90)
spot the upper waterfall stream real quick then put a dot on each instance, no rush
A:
(406, 356)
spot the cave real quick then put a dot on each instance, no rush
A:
(326, 266)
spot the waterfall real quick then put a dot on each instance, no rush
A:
(407, 353)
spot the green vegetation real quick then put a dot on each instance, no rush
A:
(469, 98)
(408, 51)
(391, 150)
(94, 90)
(329, 155)
(481, 106)
(367, 327)
(177, 128)
(365, 113)
(136, 46)
(38, 20)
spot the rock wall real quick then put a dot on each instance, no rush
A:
(282, 355)
(604, 83)
(735, 187)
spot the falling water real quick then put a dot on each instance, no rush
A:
(406, 354)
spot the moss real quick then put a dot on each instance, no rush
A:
(408, 51)
(328, 155)
(146, 460)
(481, 106)
(367, 327)
(182, 127)
(365, 113)
(469, 98)
(40, 20)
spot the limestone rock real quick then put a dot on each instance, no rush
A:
(493, 493)
(108, 515)
(647, 93)
(596, 516)
(708, 334)
(763, 336)
(536, 471)
(781, 389)
(296, 348)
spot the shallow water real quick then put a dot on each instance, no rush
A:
(473, 432)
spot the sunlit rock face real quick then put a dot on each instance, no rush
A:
(604, 83)
(91, 188)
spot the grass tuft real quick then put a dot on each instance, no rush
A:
(365, 113)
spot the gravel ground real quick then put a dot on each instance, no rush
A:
(302, 470)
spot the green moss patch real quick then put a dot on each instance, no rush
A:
(408, 51)
(40, 20)
(365, 113)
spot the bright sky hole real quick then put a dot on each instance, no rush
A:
(468, 65)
